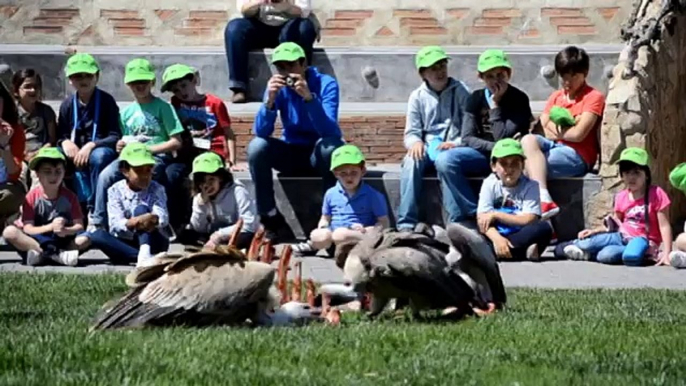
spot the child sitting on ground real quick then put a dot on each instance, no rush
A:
(39, 120)
(204, 115)
(509, 207)
(136, 209)
(351, 207)
(642, 210)
(51, 216)
(220, 201)
(678, 180)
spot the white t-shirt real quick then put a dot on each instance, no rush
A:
(274, 15)
(523, 198)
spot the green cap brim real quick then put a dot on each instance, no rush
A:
(489, 66)
(135, 162)
(178, 75)
(431, 60)
(37, 159)
(678, 177)
(209, 169)
(135, 77)
(82, 70)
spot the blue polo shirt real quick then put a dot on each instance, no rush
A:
(364, 208)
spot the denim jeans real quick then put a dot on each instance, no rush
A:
(563, 161)
(245, 34)
(612, 248)
(99, 159)
(265, 154)
(452, 166)
(126, 251)
(539, 233)
(168, 173)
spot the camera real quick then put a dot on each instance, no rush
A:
(290, 82)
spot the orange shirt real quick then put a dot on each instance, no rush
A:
(587, 100)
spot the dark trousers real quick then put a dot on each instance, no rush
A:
(194, 238)
(538, 233)
(50, 243)
(245, 34)
(126, 251)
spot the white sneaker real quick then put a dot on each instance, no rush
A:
(677, 259)
(532, 253)
(34, 258)
(575, 253)
(68, 258)
(303, 249)
(145, 262)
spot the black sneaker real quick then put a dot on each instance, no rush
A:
(277, 229)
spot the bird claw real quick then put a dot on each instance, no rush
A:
(333, 317)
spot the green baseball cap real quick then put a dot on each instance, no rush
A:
(46, 153)
(175, 72)
(678, 177)
(561, 116)
(346, 155)
(287, 52)
(208, 162)
(491, 59)
(82, 64)
(429, 55)
(137, 154)
(507, 147)
(139, 69)
(636, 155)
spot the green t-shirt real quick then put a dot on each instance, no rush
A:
(151, 123)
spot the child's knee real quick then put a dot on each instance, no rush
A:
(342, 235)
(632, 259)
(141, 210)
(321, 238)
(530, 142)
(680, 242)
(82, 242)
(11, 233)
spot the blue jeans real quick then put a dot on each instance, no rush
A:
(265, 154)
(245, 34)
(98, 160)
(166, 172)
(612, 248)
(126, 251)
(563, 161)
(453, 166)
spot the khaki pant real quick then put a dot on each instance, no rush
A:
(11, 197)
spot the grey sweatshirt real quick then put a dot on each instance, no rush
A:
(220, 215)
(430, 115)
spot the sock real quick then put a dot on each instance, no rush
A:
(144, 252)
(545, 196)
(271, 213)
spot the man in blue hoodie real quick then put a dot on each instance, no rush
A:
(435, 112)
(307, 102)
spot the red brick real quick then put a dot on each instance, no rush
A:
(412, 13)
(119, 13)
(351, 14)
(501, 12)
(428, 31)
(201, 23)
(214, 15)
(576, 30)
(566, 12)
(8, 11)
(165, 14)
(458, 13)
(188, 31)
(484, 30)
(556, 21)
(530, 33)
(129, 31)
(384, 31)
(42, 30)
(418, 22)
(343, 23)
(608, 13)
(128, 23)
(58, 12)
(52, 21)
(338, 31)
(492, 21)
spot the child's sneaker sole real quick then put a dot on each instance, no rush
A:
(575, 253)
(68, 258)
(677, 259)
(34, 258)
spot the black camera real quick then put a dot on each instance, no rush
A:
(290, 81)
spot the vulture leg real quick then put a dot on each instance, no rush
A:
(267, 252)
(254, 249)
(311, 292)
(296, 289)
(282, 281)
(333, 317)
(377, 305)
(237, 228)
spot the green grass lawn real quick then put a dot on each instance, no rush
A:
(546, 337)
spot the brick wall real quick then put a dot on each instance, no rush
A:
(379, 137)
(372, 22)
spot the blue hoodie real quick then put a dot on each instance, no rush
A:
(303, 122)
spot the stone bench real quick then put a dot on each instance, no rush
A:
(300, 198)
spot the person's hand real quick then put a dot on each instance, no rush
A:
(276, 82)
(28, 155)
(120, 145)
(417, 151)
(301, 87)
(500, 89)
(585, 233)
(70, 149)
(58, 225)
(486, 220)
(148, 222)
(82, 155)
(211, 245)
(446, 146)
(502, 248)
(6, 133)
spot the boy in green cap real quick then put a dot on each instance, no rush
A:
(204, 116)
(220, 201)
(678, 180)
(307, 103)
(351, 207)
(642, 212)
(510, 208)
(570, 147)
(435, 112)
(88, 127)
(51, 219)
(153, 122)
(136, 210)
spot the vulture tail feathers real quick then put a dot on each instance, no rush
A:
(130, 312)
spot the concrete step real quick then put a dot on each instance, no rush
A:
(394, 66)
(300, 198)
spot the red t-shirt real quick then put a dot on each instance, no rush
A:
(210, 114)
(40, 210)
(587, 100)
